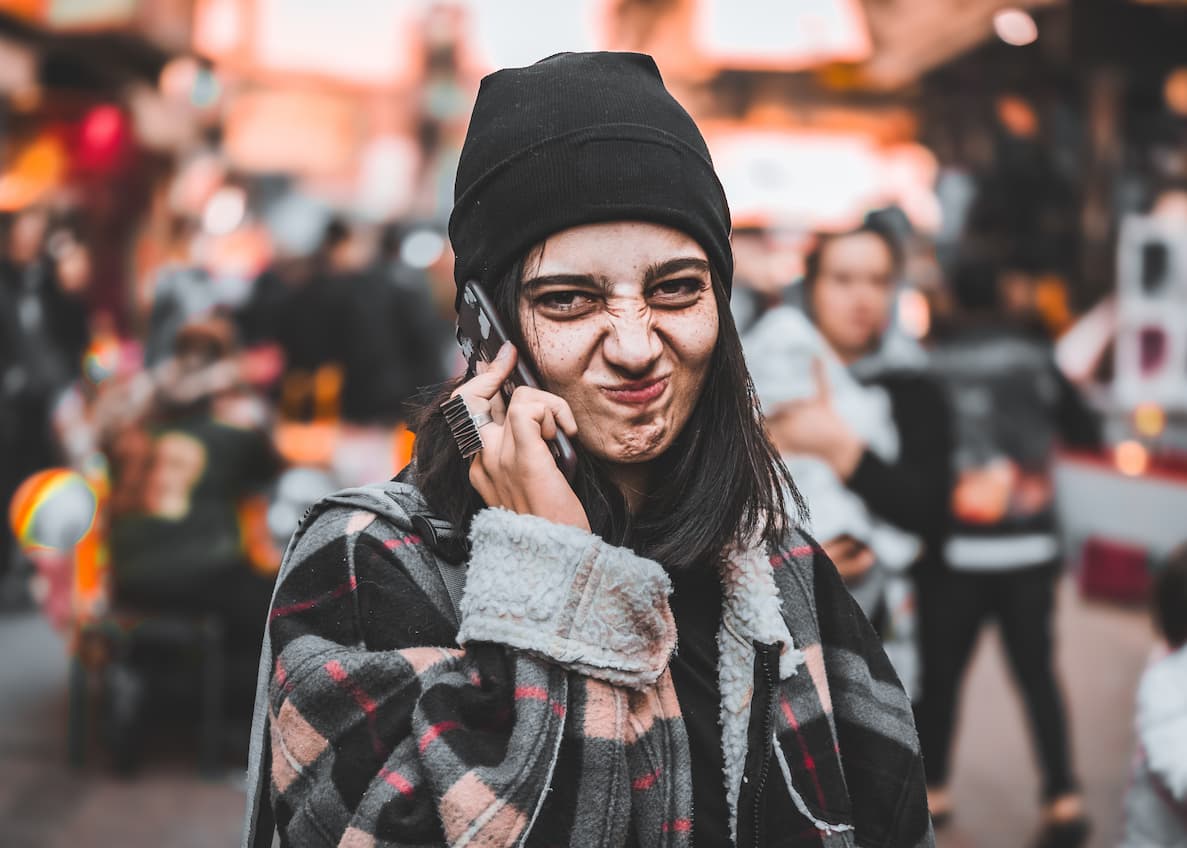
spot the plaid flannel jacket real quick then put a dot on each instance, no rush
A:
(556, 722)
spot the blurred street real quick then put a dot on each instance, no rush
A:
(44, 804)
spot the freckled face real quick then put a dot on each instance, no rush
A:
(621, 321)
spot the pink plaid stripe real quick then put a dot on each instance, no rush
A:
(301, 606)
(809, 762)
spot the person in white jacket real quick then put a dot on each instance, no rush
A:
(1156, 805)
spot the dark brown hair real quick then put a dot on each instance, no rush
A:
(870, 226)
(718, 488)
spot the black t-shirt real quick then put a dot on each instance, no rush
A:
(696, 605)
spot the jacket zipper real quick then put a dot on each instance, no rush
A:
(767, 735)
(554, 754)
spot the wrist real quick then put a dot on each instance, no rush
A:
(846, 455)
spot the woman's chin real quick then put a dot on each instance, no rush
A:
(639, 445)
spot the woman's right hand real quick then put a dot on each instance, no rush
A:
(515, 469)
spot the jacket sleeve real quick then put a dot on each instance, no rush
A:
(879, 748)
(384, 730)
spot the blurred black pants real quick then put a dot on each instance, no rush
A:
(952, 607)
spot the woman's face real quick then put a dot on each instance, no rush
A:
(853, 293)
(621, 320)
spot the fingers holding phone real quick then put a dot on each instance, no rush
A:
(515, 469)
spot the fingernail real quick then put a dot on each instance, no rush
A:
(504, 351)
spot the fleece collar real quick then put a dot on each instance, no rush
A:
(751, 613)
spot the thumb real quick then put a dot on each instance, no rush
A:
(488, 382)
(823, 389)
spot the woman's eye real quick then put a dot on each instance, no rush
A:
(678, 291)
(564, 301)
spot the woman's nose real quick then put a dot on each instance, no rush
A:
(632, 344)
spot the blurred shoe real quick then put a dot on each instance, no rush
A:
(1064, 834)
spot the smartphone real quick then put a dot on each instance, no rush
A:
(481, 333)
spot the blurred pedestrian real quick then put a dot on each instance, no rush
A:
(182, 289)
(43, 333)
(392, 340)
(417, 260)
(1156, 804)
(179, 469)
(544, 696)
(1012, 407)
(876, 421)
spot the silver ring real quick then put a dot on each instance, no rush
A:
(462, 426)
(481, 420)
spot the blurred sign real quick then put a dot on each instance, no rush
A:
(503, 37)
(66, 14)
(773, 34)
(819, 180)
(1151, 363)
(361, 41)
(261, 127)
(809, 180)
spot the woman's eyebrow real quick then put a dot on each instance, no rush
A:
(575, 280)
(674, 266)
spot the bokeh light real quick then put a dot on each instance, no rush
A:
(225, 211)
(422, 248)
(1149, 420)
(1015, 27)
(1131, 458)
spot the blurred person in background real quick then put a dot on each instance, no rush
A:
(43, 333)
(900, 469)
(182, 290)
(1012, 407)
(758, 285)
(185, 444)
(587, 202)
(297, 305)
(417, 260)
(1156, 803)
(392, 337)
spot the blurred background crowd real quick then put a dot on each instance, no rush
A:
(224, 277)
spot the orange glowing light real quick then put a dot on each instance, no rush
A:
(37, 169)
(1149, 419)
(1131, 458)
(1174, 91)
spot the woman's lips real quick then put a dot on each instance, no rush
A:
(638, 392)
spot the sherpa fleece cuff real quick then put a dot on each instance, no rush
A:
(565, 594)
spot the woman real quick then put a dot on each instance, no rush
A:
(587, 203)
(850, 284)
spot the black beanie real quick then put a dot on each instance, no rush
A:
(580, 138)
